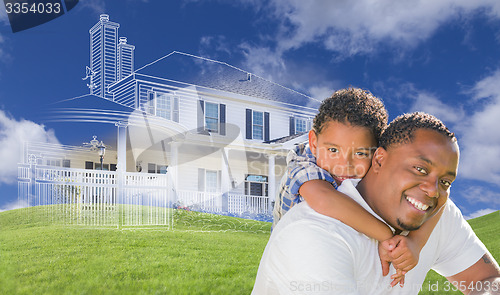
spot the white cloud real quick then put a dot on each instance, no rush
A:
(321, 92)
(13, 134)
(409, 99)
(264, 62)
(14, 205)
(355, 27)
(481, 194)
(347, 28)
(480, 213)
(431, 104)
(217, 44)
(98, 6)
(303, 77)
(480, 141)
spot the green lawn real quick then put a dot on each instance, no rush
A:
(204, 254)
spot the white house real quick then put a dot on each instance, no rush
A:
(218, 133)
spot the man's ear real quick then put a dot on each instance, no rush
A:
(313, 141)
(378, 159)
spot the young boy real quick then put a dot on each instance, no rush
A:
(344, 136)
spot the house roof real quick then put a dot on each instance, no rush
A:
(195, 70)
(89, 108)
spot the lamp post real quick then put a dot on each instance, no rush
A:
(102, 151)
(100, 147)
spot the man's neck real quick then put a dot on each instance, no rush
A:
(366, 189)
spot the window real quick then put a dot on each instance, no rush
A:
(157, 168)
(151, 168)
(89, 165)
(164, 106)
(150, 104)
(256, 185)
(212, 117)
(97, 166)
(161, 169)
(300, 125)
(258, 125)
(53, 162)
(211, 181)
(104, 166)
(66, 163)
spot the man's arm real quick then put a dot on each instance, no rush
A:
(483, 277)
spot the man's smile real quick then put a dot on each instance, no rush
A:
(417, 204)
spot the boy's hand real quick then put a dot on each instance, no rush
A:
(384, 249)
(401, 252)
(398, 277)
(405, 253)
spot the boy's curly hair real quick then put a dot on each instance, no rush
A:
(355, 106)
(402, 129)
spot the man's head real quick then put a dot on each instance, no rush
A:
(346, 132)
(411, 171)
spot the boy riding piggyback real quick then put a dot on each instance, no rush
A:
(341, 143)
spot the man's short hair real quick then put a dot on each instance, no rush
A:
(355, 106)
(402, 129)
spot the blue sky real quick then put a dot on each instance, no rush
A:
(442, 57)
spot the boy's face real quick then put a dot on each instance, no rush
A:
(343, 150)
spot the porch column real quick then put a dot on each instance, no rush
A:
(271, 181)
(173, 167)
(225, 180)
(121, 166)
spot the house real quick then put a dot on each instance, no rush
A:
(218, 133)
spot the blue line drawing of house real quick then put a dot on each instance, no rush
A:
(211, 136)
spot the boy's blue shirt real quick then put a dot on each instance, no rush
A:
(301, 167)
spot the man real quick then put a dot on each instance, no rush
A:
(408, 182)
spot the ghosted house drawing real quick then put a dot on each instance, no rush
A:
(200, 133)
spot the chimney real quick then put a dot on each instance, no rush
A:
(104, 17)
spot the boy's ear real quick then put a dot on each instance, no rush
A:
(313, 141)
(378, 159)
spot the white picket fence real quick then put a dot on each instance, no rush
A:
(223, 203)
(108, 198)
(95, 197)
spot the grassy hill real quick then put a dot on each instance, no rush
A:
(204, 254)
(487, 228)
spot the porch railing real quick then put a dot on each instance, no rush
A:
(109, 198)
